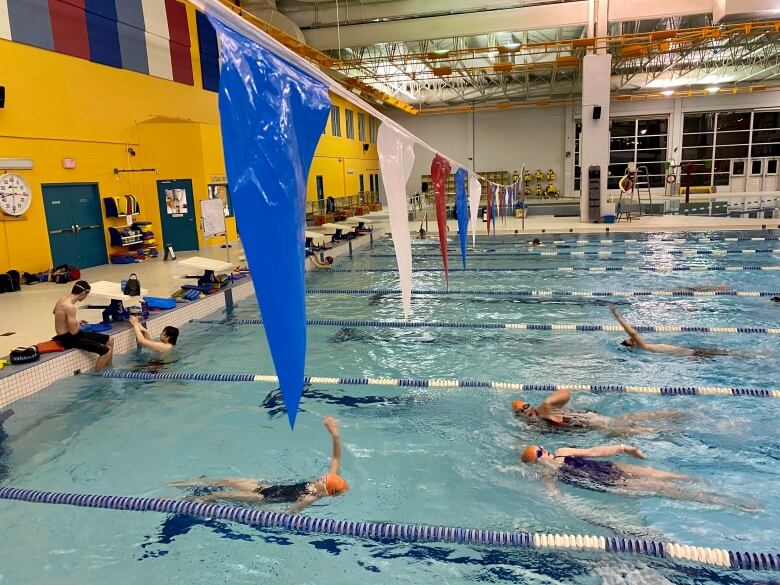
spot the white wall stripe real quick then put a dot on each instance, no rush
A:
(158, 51)
(5, 23)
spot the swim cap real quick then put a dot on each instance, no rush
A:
(518, 406)
(335, 485)
(529, 454)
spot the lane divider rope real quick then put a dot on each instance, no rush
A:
(661, 269)
(520, 243)
(434, 383)
(390, 531)
(549, 293)
(594, 253)
(581, 327)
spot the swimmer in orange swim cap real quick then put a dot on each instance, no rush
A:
(551, 412)
(299, 495)
(588, 469)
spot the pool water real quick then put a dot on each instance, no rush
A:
(433, 456)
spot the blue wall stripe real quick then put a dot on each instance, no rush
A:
(31, 23)
(131, 13)
(209, 52)
(132, 45)
(103, 33)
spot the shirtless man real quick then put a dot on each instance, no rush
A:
(68, 327)
(166, 342)
(636, 340)
(551, 412)
(326, 263)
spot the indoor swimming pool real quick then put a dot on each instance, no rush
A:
(443, 456)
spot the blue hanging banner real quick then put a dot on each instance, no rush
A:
(462, 206)
(272, 117)
(492, 219)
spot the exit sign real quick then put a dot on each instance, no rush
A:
(69, 163)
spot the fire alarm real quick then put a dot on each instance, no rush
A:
(69, 163)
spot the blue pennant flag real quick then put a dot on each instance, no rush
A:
(272, 117)
(462, 206)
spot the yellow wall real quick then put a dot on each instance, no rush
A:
(59, 106)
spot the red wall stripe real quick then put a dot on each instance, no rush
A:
(69, 27)
(179, 34)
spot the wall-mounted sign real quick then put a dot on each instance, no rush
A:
(219, 178)
(68, 163)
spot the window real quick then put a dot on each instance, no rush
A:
(361, 127)
(221, 191)
(335, 121)
(640, 141)
(373, 128)
(349, 121)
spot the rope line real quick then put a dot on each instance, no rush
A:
(434, 383)
(661, 269)
(595, 253)
(548, 293)
(491, 243)
(384, 531)
(579, 327)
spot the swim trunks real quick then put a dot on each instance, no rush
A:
(590, 473)
(91, 342)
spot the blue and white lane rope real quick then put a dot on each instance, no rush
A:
(527, 242)
(424, 383)
(548, 293)
(390, 531)
(598, 253)
(580, 328)
(660, 269)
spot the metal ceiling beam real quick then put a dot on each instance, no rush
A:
(455, 25)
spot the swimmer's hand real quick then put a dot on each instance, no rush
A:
(613, 310)
(332, 426)
(633, 451)
(133, 320)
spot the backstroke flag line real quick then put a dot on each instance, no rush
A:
(272, 116)
(475, 194)
(440, 170)
(463, 211)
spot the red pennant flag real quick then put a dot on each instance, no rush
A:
(440, 170)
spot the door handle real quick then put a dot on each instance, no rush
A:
(77, 229)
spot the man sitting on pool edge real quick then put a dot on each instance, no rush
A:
(636, 341)
(300, 495)
(551, 412)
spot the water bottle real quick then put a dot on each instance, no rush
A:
(144, 310)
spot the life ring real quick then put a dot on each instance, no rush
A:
(671, 178)
(626, 183)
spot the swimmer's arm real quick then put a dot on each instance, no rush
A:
(554, 402)
(143, 340)
(628, 329)
(601, 451)
(333, 429)
(302, 503)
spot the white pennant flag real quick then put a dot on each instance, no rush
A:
(396, 157)
(475, 194)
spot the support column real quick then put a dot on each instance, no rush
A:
(594, 140)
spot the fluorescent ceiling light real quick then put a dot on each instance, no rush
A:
(668, 92)
(492, 54)
(668, 82)
(511, 46)
(713, 89)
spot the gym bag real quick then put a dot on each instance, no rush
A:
(132, 287)
(24, 355)
(159, 303)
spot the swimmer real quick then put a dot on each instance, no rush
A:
(705, 288)
(300, 495)
(636, 340)
(421, 234)
(579, 468)
(536, 243)
(322, 263)
(551, 412)
(167, 340)
(776, 298)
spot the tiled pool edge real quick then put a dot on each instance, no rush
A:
(42, 375)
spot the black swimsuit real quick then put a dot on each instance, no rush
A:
(283, 493)
(590, 473)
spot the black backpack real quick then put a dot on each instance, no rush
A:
(24, 355)
(6, 284)
(14, 274)
(132, 286)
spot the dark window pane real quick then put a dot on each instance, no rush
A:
(696, 153)
(576, 184)
(766, 120)
(699, 180)
(699, 122)
(734, 121)
(654, 168)
(621, 156)
(652, 126)
(766, 150)
(651, 142)
(698, 139)
(616, 171)
(739, 168)
(577, 171)
(755, 167)
(731, 151)
(622, 128)
(722, 138)
(612, 182)
(622, 143)
(723, 166)
(721, 179)
(771, 167)
(766, 136)
(644, 156)
(657, 181)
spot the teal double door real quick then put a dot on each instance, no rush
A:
(75, 224)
